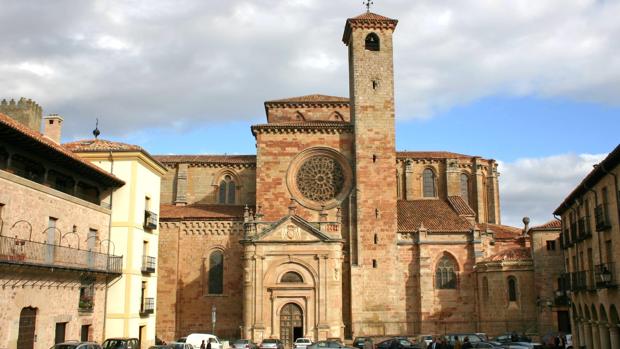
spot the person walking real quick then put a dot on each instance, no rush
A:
(209, 344)
(202, 345)
(433, 344)
(466, 344)
(457, 343)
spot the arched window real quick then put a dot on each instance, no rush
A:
(292, 277)
(216, 272)
(428, 183)
(445, 274)
(512, 289)
(227, 190)
(485, 288)
(372, 42)
(465, 187)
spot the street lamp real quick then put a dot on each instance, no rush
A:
(213, 318)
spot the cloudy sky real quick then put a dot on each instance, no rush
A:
(533, 84)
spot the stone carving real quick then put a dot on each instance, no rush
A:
(320, 178)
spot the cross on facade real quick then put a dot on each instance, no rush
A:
(367, 3)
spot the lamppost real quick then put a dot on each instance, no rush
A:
(213, 318)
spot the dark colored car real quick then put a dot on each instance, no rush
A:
(487, 345)
(401, 342)
(76, 345)
(121, 343)
(328, 345)
(161, 346)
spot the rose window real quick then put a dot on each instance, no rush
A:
(320, 178)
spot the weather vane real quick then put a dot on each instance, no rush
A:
(367, 3)
(96, 132)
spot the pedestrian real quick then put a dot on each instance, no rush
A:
(367, 343)
(433, 344)
(466, 344)
(202, 345)
(209, 344)
(457, 343)
(557, 341)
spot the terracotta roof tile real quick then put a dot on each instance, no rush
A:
(96, 145)
(372, 16)
(315, 98)
(460, 206)
(553, 224)
(172, 212)
(501, 231)
(367, 20)
(219, 159)
(40, 140)
(434, 214)
(512, 254)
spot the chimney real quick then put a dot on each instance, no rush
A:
(52, 127)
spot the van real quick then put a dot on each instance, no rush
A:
(195, 339)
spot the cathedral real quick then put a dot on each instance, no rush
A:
(329, 232)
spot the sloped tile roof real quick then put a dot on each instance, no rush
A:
(173, 212)
(367, 20)
(460, 206)
(512, 254)
(372, 16)
(553, 224)
(14, 129)
(220, 159)
(434, 214)
(314, 98)
(501, 231)
(96, 145)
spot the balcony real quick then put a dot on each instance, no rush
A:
(147, 307)
(148, 264)
(150, 220)
(578, 281)
(27, 253)
(86, 305)
(605, 276)
(601, 217)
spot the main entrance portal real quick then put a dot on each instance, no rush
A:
(291, 324)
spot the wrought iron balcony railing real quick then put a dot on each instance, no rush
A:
(149, 264)
(31, 253)
(150, 220)
(147, 307)
(605, 275)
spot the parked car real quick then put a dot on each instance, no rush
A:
(402, 344)
(195, 339)
(512, 337)
(243, 344)
(328, 344)
(483, 336)
(358, 342)
(121, 343)
(76, 345)
(569, 341)
(181, 340)
(161, 346)
(487, 345)
(271, 343)
(523, 345)
(180, 345)
(302, 343)
(472, 337)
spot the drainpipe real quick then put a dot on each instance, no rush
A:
(105, 303)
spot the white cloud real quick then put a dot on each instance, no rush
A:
(535, 187)
(142, 62)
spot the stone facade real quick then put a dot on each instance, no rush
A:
(331, 232)
(590, 228)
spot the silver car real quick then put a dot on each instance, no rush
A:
(302, 343)
(243, 344)
(271, 343)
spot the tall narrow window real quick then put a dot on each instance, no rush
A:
(465, 187)
(227, 190)
(512, 289)
(445, 273)
(372, 42)
(216, 273)
(428, 183)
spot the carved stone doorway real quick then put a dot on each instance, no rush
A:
(291, 324)
(27, 322)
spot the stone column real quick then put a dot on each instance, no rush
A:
(588, 334)
(603, 330)
(409, 181)
(247, 296)
(478, 192)
(180, 195)
(614, 337)
(596, 338)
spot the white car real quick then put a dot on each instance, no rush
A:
(195, 339)
(302, 343)
(569, 341)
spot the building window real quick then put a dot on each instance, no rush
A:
(216, 273)
(84, 333)
(428, 183)
(445, 273)
(465, 187)
(292, 277)
(550, 245)
(512, 289)
(374, 263)
(227, 190)
(485, 288)
(372, 42)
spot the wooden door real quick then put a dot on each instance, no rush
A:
(27, 322)
(291, 317)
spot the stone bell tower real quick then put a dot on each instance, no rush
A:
(376, 310)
